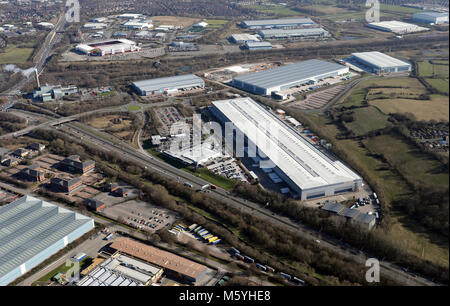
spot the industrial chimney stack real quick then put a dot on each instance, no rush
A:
(37, 78)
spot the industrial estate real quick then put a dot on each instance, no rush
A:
(223, 143)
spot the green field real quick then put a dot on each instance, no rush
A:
(427, 69)
(276, 10)
(397, 9)
(355, 99)
(14, 55)
(367, 119)
(408, 160)
(133, 108)
(439, 84)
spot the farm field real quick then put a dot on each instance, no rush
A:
(409, 160)
(411, 235)
(175, 20)
(439, 84)
(276, 10)
(15, 55)
(434, 109)
(427, 69)
(367, 119)
(397, 9)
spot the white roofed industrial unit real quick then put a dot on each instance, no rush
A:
(288, 76)
(108, 47)
(32, 230)
(168, 84)
(380, 63)
(277, 23)
(242, 38)
(397, 27)
(308, 171)
(292, 33)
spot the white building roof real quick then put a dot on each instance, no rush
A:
(397, 26)
(244, 37)
(379, 59)
(305, 165)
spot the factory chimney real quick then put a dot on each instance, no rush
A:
(37, 78)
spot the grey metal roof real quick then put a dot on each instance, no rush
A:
(430, 14)
(333, 207)
(279, 22)
(178, 81)
(349, 213)
(365, 218)
(291, 32)
(28, 226)
(379, 59)
(288, 74)
(253, 44)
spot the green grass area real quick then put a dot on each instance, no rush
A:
(14, 55)
(397, 9)
(440, 84)
(427, 69)
(355, 99)
(216, 23)
(409, 161)
(276, 10)
(63, 269)
(133, 108)
(367, 119)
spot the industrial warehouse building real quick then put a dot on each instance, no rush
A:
(32, 230)
(277, 23)
(109, 47)
(307, 171)
(431, 17)
(172, 264)
(168, 84)
(379, 62)
(396, 27)
(292, 33)
(242, 38)
(258, 45)
(285, 77)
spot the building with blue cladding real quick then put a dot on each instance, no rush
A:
(168, 84)
(32, 230)
(277, 23)
(431, 17)
(378, 62)
(285, 77)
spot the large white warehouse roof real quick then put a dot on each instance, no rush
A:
(305, 165)
(379, 59)
(31, 230)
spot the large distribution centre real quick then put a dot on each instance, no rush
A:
(276, 23)
(168, 84)
(285, 77)
(292, 33)
(380, 63)
(308, 171)
(431, 17)
(396, 27)
(109, 47)
(32, 230)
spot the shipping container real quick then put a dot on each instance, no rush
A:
(298, 281)
(285, 275)
(239, 256)
(249, 259)
(270, 269)
(192, 227)
(208, 236)
(110, 236)
(79, 257)
(261, 267)
(211, 240)
(233, 250)
(216, 241)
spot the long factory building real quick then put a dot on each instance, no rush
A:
(308, 171)
(396, 27)
(277, 23)
(32, 230)
(292, 33)
(168, 84)
(380, 63)
(108, 47)
(285, 77)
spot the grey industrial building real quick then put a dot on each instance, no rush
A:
(292, 33)
(32, 230)
(378, 62)
(258, 45)
(168, 84)
(285, 77)
(277, 23)
(242, 38)
(306, 170)
(431, 17)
